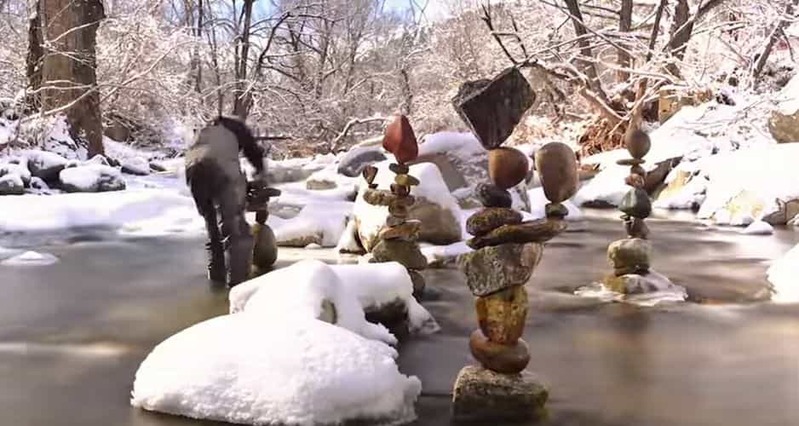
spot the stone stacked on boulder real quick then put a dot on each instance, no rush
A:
(265, 243)
(397, 239)
(630, 257)
(506, 252)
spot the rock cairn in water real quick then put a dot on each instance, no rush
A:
(630, 256)
(397, 240)
(506, 252)
(265, 244)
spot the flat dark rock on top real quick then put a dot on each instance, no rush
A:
(493, 108)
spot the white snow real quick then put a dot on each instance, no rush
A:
(87, 177)
(788, 98)
(244, 369)
(538, 203)
(30, 258)
(327, 219)
(20, 170)
(784, 277)
(435, 254)
(759, 228)
(663, 291)
(300, 289)
(461, 144)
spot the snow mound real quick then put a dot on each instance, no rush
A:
(242, 369)
(318, 220)
(31, 258)
(784, 277)
(91, 178)
(759, 228)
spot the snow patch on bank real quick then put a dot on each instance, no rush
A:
(784, 277)
(30, 258)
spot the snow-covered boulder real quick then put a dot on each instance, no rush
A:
(784, 277)
(45, 165)
(18, 167)
(435, 207)
(307, 289)
(243, 369)
(750, 185)
(463, 163)
(135, 166)
(353, 161)
(91, 178)
(11, 184)
(784, 121)
(318, 222)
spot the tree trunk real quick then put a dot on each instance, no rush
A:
(241, 95)
(69, 68)
(34, 62)
(625, 24)
(585, 50)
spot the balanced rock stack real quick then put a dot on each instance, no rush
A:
(265, 243)
(630, 256)
(397, 240)
(506, 252)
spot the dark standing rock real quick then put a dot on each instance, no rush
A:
(400, 140)
(264, 248)
(557, 167)
(528, 232)
(485, 397)
(638, 144)
(354, 161)
(491, 218)
(636, 203)
(369, 173)
(505, 359)
(399, 169)
(418, 283)
(492, 109)
(636, 227)
(492, 269)
(491, 195)
(507, 167)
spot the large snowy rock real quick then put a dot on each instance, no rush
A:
(11, 184)
(45, 165)
(301, 289)
(16, 167)
(463, 163)
(784, 121)
(435, 207)
(750, 185)
(91, 178)
(693, 134)
(319, 222)
(352, 163)
(244, 369)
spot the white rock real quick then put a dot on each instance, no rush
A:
(241, 369)
(759, 228)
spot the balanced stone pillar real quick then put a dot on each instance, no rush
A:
(398, 238)
(265, 244)
(506, 252)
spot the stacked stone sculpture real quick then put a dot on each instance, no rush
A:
(397, 240)
(630, 256)
(506, 252)
(265, 244)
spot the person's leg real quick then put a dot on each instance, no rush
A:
(236, 231)
(202, 185)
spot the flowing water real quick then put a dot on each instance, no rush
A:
(72, 334)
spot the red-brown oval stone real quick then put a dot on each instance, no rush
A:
(400, 140)
(557, 167)
(501, 315)
(507, 167)
(505, 359)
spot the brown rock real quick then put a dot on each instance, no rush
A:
(378, 197)
(406, 180)
(399, 169)
(404, 252)
(507, 167)
(400, 140)
(634, 180)
(492, 269)
(418, 283)
(505, 359)
(630, 162)
(556, 210)
(408, 230)
(484, 397)
(557, 168)
(629, 256)
(400, 190)
(528, 232)
(398, 209)
(488, 219)
(636, 227)
(638, 143)
(369, 173)
(638, 170)
(501, 315)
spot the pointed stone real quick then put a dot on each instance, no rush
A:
(369, 173)
(400, 140)
(493, 108)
